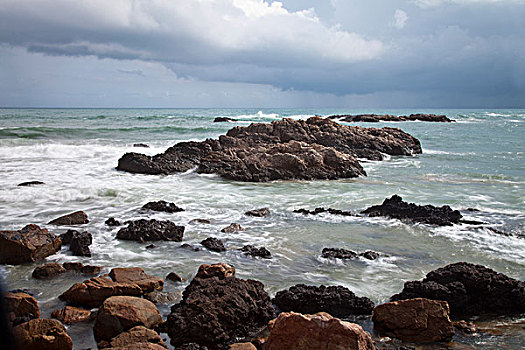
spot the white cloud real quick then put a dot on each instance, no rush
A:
(400, 19)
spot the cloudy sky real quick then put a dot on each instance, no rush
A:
(256, 53)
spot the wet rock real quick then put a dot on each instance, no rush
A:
(157, 297)
(213, 244)
(220, 271)
(174, 277)
(112, 222)
(232, 228)
(121, 313)
(76, 218)
(79, 242)
(465, 327)
(340, 253)
(20, 307)
(261, 252)
(136, 335)
(143, 145)
(317, 211)
(200, 221)
(189, 247)
(162, 206)
(336, 300)
(471, 222)
(48, 270)
(262, 212)
(85, 269)
(29, 244)
(242, 346)
(151, 230)
(140, 346)
(396, 208)
(70, 315)
(414, 320)
(469, 290)
(30, 183)
(293, 331)
(223, 119)
(191, 346)
(151, 246)
(41, 334)
(136, 275)
(374, 118)
(216, 312)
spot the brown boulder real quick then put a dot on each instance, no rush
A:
(121, 313)
(414, 320)
(76, 218)
(220, 270)
(293, 331)
(242, 346)
(147, 283)
(29, 244)
(139, 346)
(70, 314)
(174, 277)
(20, 306)
(136, 335)
(232, 228)
(48, 270)
(41, 334)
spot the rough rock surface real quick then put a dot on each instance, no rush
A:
(76, 218)
(162, 206)
(293, 331)
(242, 346)
(216, 312)
(396, 208)
(414, 320)
(374, 118)
(136, 335)
(29, 244)
(70, 314)
(41, 334)
(232, 228)
(157, 297)
(85, 269)
(213, 244)
(20, 307)
(121, 313)
(469, 290)
(336, 300)
(48, 270)
(220, 271)
(340, 253)
(151, 230)
(261, 252)
(112, 222)
(316, 148)
(136, 275)
(79, 242)
(261, 212)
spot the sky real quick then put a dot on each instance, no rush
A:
(257, 53)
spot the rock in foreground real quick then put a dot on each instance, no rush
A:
(20, 307)
(151, 230)
(29, 244)
(469, 290)
(42, 334)
(414, 320)
(293, 331)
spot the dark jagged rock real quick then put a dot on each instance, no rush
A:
(338, 301)
(30, 183)
(213, 244)
(232, 228)
(340, 253)
(151, 246)
(112, 222)
(374, 118)
(261, 252)
(471, 222)
(323, 210)
(79, 242)
(216, 312)
(220, 270)
(174, 277)
(469, 290)
(223, 119)
(316, 148)
(76, 218)
(261, 212)
(370, 255)
(189, 247)
(162, 206)
(29, 244)
(143, 145)
(200, 221)
(151, 230)
(396, 208)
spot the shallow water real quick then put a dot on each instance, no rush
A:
(477, 162)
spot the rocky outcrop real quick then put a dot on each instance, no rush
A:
(41, 334)
(139, 335)
(143, 145)
(374, 118)
(414, 320)
(121, 313)
(232, 228)
(76, 218)
(151, 230)
(293, 331)
(213, 244)
(162, 206)
(395, 207)
(336, 300)
(316, 148)
(223, 119)
(220, 271)
(79, 242)
(340, 253)
(70, 315)
(48, 270)
(30, 183)
(469, 290)
(29, 244)
(136, 275)
(20, 308)
(112, 222)
(216, 312)
(260, 252)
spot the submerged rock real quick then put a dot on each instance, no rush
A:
(317, 211)
(29, 244)
(336, 300)
(261, 212)
(469, 290)
(41, 334)
(30, 183)
(213, 244)
(162, 206)
(232, 228)
(261, 252)
(223, 119)
(396, 208)
(76, 218)
(151, 230)
(340, 253)
(112, 222)
(48, 270)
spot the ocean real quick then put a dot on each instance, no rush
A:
(477, 162)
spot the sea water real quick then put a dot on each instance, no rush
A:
(477, 162)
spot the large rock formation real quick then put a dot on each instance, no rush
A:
(216, 312)
(414, 320)
(395, 207)
(29, 244)
(42, 334)
(469, 290)
(293, 331)
(151, 230)
(374, 118)
(20, 307)
(316, 148)
(336, 300)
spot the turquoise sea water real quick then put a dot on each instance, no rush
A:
(477, 162)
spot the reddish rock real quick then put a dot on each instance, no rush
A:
(414, 320)
(147, 283)
(91, 269)
(242, 346)
(76, 218)
(20, 306)
(232, 228)
(121, 313)
(220, 271)
(465, 327)
(140, 346)
(73, 266)
(136, 335)
(292, 331)
(29, 244)
(41, 334)
(48, 270)
(157, 297)
(70, 314)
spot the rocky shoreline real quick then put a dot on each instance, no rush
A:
(375, 118)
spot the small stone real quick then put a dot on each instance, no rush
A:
(76, 218)
(232, 228)
(30, 183)
(112, 222)
(172, 276)
(143, 145)
(213, 244)
(262, 212)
